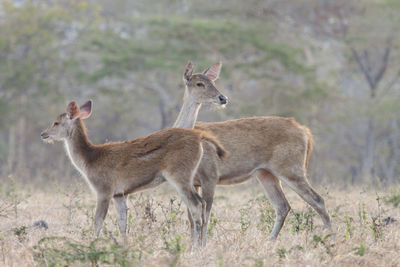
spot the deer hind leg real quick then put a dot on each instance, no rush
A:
(207, 175)
(208, 190)
(120, 202)
(273, 188)
(180, 174)
(101, 212)
(196, 206)
(297, 180)
(197, 188)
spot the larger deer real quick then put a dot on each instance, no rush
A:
(273, 149)
(114, 170)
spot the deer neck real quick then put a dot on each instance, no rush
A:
(78, 146)
(188, 114)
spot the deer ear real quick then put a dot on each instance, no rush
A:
(187, 74)
(72, 110)
(213, 71)
(85, 110)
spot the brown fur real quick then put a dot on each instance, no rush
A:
(273, 149)
(201, 88)
(122, 154)
(161, 142)
(116, 169)
(221, 152)
(257, 142)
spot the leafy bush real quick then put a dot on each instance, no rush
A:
(324, 241)
(302, 220)
(56, 251)
(361, 250)
(266, 214)
(393, 199)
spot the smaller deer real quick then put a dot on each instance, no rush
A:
(114, 170)
(200, 89)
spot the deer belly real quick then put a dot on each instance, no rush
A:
(136, 186)
(234, 179)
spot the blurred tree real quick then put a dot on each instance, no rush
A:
(367, 33)
(331, 64)
(34, 43)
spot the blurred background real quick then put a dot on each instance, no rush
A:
(331, 64)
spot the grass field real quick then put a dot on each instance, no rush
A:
(362, 234)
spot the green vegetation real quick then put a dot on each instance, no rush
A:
(324, 241)
(361, 250)
(171, 40)
(302, 220)
(393, 199)
(317, 61)
(158, 232)
(60, 251)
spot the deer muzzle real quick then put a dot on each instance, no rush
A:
(44, 135)
(223, 99)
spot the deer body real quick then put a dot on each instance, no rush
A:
(127, 163)
(258, 143)
(114, 170)
(273, 149)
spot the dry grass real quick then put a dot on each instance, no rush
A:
(159, 231)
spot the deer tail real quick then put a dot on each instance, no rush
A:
(310, 144)
(221, 152)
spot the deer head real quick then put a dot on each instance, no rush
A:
(63, 126)
(200, 87)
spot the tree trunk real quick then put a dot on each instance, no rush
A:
(367, 165)
(11, 150)
(394, 157)
(21, 132)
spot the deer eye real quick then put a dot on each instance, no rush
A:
(200, 84)
(56, 123)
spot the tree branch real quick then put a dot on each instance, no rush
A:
(363, 68)
(384, 64)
